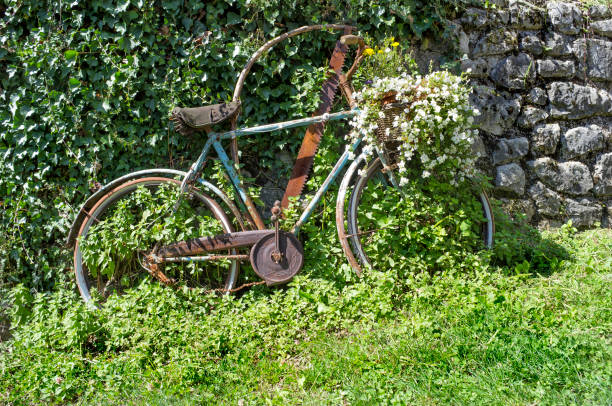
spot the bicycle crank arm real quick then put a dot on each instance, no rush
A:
(214, 243)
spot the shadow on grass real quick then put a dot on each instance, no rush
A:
(521, 248)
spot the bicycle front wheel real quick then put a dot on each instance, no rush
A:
(385, 225)
(125, 225)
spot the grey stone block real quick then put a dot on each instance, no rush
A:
(572, 101)
(510, 178)
(602, 28)
(478, 148)
(537, 96)
(557, 44)
(531, 116)
(565, 17)
(514, 72)
(496, 42)
(497, 113)
(584, 212)
(552, 68)
(547, 201)
(508, 150)
(532, 44)
(501, 4)
(475, 18)
(602, 175)
(579, 141)
(524, 17)
(464, 40)
(475, 68)
(600, 11)
(571, 177)
(545, 138)
(597, 53)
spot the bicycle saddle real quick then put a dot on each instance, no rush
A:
(189, 119)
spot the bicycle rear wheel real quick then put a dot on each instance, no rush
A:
(383, 223)
(125, 225)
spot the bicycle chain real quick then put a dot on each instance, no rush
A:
(246, 285)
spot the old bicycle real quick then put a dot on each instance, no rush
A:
(180, 227)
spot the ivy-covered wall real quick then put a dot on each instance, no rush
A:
(86, 89)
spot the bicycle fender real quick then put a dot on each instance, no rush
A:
(347, 179)
(93, 199)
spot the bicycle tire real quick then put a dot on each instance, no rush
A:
(358, 233)
(134, 201)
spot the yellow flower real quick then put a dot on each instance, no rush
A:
(380, 51)
(392, 39)
(368, 51)
(394, 44)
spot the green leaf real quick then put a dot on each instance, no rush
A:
(70, 54)
(233, 18)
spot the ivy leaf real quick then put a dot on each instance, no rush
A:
(122, 5)
(232, 18)
(11, 70)
(27, 111)
(420, 26)
(187, 22)
(70, 54)
(13, 104)
(120, 28)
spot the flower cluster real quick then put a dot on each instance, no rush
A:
(388, 58)
(433, 125)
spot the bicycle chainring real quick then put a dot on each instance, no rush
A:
(291, 258)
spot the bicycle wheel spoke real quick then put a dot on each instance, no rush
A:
(360, 233)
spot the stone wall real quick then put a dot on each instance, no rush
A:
(543, 86)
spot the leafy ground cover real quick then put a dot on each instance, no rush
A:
(487, 334)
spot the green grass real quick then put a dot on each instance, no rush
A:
(589, 3)
(492, 336)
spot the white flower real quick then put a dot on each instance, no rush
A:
(437, 123)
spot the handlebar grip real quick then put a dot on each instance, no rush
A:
(352, 40)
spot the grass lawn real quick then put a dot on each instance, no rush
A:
(493, 336)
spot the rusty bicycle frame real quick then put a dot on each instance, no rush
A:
(186, 251)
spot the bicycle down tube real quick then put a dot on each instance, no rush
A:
(235, 179)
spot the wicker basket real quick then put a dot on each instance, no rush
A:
(390, 111)
(390, 142)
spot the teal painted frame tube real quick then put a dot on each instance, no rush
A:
(214, 141)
